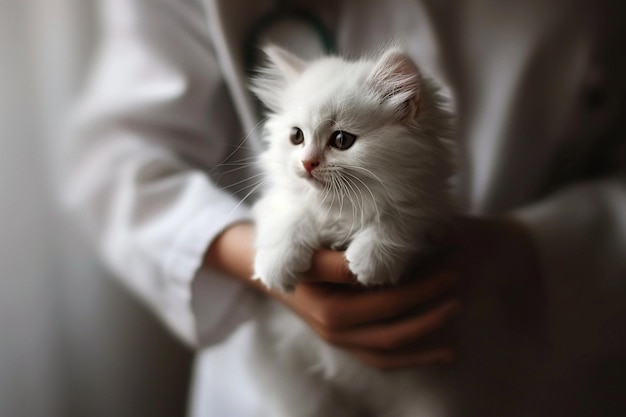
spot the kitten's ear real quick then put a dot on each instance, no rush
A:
(287, 63)
(280, 69)
(397, 80)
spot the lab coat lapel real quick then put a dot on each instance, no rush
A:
(228, 23)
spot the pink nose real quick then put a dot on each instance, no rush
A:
(310, 165)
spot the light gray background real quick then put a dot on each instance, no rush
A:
(72, 342)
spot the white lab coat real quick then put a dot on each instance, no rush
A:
(539, 88)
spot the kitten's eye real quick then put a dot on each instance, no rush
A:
(342, 140)
(297, 137)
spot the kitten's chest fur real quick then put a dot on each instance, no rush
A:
(339, 217)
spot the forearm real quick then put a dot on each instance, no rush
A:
(232, 252)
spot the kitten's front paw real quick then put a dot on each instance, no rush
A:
(371, 264)
(278, 267)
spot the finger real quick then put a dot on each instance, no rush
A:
(329, 266)
(386, 361)
(337, 309)
(394, 336)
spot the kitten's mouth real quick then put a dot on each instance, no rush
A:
(316, 180)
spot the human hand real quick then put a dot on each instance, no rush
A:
(384, 327)
(401, 326)
(494, 257)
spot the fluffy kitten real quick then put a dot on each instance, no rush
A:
(358, 160)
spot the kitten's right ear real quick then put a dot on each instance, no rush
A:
(280, 69)
(287, 63)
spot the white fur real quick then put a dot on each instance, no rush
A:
(376, 200)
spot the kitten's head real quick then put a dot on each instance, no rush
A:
(372, 122)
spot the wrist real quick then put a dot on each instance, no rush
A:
(232, 251)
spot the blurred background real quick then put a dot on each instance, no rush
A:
(72, 342)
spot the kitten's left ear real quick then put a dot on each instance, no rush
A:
(397, 80)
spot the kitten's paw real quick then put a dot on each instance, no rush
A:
(279, 267)
(371, 265)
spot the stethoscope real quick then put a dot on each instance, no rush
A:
(282, 14)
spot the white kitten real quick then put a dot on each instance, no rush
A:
(358, 160)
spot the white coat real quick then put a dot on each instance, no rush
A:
(540, 91)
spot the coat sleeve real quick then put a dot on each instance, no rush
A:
(581, 236)
(154, 115)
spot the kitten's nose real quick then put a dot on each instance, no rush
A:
(310, 165)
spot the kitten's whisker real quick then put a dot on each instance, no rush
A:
(328, 190)
(248, 186)
(238, 146)
(341, 195)
(382, 189)
(242, 181)
(348, 187)
(378, 217)
(245, 139)
(325, 192)
(362, 205)
(239, 168)
(370, 174)
(333, 193)
(257, 186)
(238, 161)
(233, 164)
(249, 162)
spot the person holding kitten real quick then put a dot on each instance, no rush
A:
(532, 273)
